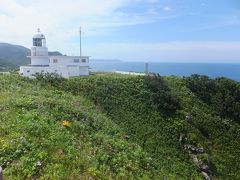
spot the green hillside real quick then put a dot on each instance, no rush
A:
(13, 56)
(111, 126)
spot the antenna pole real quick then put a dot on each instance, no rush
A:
(80, 40)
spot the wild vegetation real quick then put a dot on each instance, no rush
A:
(222, 94)
(115, 126)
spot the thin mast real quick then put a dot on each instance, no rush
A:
(80, 34)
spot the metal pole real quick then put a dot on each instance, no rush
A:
(80, 33)
(146, 68)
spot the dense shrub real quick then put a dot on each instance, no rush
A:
(53, 79)
(161, 94)
(202, 85)
(222, 94)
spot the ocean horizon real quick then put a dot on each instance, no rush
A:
(213, 70)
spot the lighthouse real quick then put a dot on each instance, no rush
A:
(39, 51)
(41, 62)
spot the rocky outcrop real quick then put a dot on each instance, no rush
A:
(193, 149)
(193, 152)
(205, 170)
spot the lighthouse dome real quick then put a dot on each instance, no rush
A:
(39, 34)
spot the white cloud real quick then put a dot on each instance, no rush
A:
(60, 19)
(153, 11)
(167, 8)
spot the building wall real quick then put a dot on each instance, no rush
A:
(39, 51)
(76, 65)
(39, 56)
(84, 71)
(39, 61)
(29, 71)
(66, 72)
(68, 61)
(73, 71)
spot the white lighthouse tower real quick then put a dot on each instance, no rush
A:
(41, 62)
(39, 51)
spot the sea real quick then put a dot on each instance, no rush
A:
(213, 70)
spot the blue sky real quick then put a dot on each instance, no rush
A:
(136, 30)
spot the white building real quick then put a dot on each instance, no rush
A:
(41, 62)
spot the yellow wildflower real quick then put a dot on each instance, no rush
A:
(65, 123)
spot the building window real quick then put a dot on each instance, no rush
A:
(55, 61)
(84, 60)
(37, 42)
(76, 60)
(28, 71)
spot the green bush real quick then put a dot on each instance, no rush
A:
(222, 94)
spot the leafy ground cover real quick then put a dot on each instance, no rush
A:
(111, 126)
(54, 135)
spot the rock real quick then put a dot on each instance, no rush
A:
(189, 118)
(193, 149)
(203, 166)
(39, 164)
(126, 137)
(206, 176)
(181, 138)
